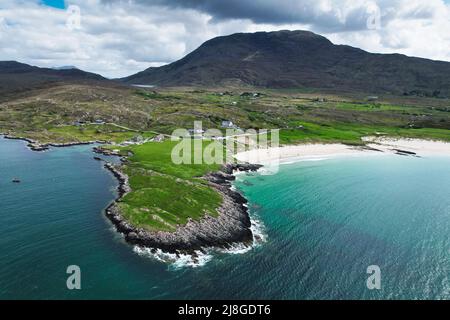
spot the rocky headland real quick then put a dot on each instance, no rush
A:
(37, 146)
(231, 226)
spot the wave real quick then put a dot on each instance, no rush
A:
(259, 237)
(303, 160)
(259, 231)
(201, 258)
(175, 261)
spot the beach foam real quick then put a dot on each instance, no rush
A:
(175, 261)
(199, 259)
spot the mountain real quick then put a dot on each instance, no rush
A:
(18, 77)
(299, 59)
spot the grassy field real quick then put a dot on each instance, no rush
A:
(44, 115)
(352, 133)
(84, 133)
(165, 194)
(92, 132)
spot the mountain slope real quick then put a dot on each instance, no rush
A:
(289, 59)
(17, 77)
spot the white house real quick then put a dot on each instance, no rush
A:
(227, 124)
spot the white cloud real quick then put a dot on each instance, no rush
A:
(416, 29)
(119, 38)
(113, 40)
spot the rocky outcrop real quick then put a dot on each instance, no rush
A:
(106, 152)
(231, 226)
(33, 145)
(404, 152)
(37, 146)
(124, 186)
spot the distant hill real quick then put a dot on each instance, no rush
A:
(17, 77)
(64, 68)
(295, 59)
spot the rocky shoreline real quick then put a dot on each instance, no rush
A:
(230, 227)
(37, 146)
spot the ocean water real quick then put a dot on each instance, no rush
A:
(324, 223)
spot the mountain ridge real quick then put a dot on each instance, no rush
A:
(299, 59)
(16, 77)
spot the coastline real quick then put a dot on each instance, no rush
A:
(232, 226)
(38, 147)
(374, 146)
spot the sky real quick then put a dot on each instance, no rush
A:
(116, 38)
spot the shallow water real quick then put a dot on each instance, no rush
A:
(325, 222)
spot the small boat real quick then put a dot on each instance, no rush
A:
(15, 180)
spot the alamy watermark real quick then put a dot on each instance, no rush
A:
(374, 280)
(374, 20)
(213, 146)
(73, 282)
(73, 21)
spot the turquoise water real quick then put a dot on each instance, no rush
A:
(325, 223)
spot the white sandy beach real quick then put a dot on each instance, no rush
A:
(420, 147)
(304, 152)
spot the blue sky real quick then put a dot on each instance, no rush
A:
(55, 3)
